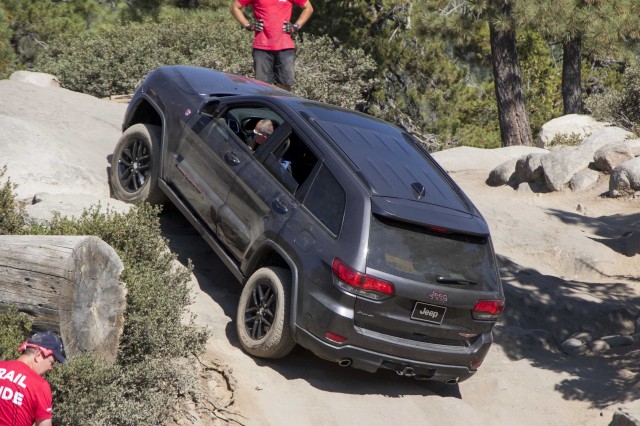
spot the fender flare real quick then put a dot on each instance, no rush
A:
(130, 122)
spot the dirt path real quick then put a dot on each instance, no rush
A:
(569, 263)
(544, 246)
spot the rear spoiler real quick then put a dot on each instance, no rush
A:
(429, 215)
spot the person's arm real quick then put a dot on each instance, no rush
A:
(46, 422)
(307, 11)
(236, 11)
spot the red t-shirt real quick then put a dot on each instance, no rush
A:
(24, 396)
(273, 13)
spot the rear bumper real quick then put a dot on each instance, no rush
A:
(371, 361)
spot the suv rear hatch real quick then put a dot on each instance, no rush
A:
(440, 268)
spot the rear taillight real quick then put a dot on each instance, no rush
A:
(488, 309)
(362, 284)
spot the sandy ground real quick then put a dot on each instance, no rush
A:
(569, 263)
(543, 246)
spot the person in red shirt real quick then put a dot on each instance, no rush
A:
(273, 47)
(25, 396)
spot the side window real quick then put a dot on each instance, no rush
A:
(251, 124)
(326, 200)
(291, 162)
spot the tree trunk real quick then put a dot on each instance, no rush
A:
(67, 284)
(572, 76)
(514, 122)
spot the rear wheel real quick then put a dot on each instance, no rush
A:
(263, 316)
(135, 165)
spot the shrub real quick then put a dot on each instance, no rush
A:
(146, 382)
(15, 328)
(157, 294)
(89, 391)
(561, 139)
(212, 39)
(327, 72)
(620, 106)
(10, 219)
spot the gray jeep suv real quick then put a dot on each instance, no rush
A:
(347, 237)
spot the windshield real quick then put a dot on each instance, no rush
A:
(426, 255)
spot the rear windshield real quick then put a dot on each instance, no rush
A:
(421, 254)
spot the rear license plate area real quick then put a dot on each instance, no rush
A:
(428, 313)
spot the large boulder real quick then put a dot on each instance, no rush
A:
(602, 137)
(466, 158)
(37, 78)
(625, 179)
(568, 125)
(58, 141)
(611, 156)
(627, 415)
(583, 179)
(561, 165)
(502, 174)
(529, 168)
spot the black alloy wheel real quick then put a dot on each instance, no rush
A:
(260, 311)
(134, 165)
(263, 318)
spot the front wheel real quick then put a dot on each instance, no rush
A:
(263, 316)
(135, 165)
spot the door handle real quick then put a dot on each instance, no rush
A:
(232, 158)
(279, 205)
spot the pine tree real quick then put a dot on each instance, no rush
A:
(593, 27)
(419, 84)
(7, 54)
(512, 114)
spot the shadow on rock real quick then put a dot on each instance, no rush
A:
(544, 310)
(621, 233)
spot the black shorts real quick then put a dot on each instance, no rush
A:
(274, 66)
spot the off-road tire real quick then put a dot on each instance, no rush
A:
(264, 312)
(135, 165)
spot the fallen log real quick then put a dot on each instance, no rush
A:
(66, 284)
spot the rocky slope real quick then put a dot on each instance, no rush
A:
(567, 350)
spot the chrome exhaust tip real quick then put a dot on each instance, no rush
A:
(405, 371)
(344, 362)
(453, 381)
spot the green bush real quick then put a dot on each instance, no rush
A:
(15, 328)
(542, 79)
(8, 57)
(147, 380)
(10, 219)
(88, 391)
(114, 60)
(619, 106)
(157, 291)
(327, 72)
(561, 139)
(149, 376)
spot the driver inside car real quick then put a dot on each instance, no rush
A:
(261, 132)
